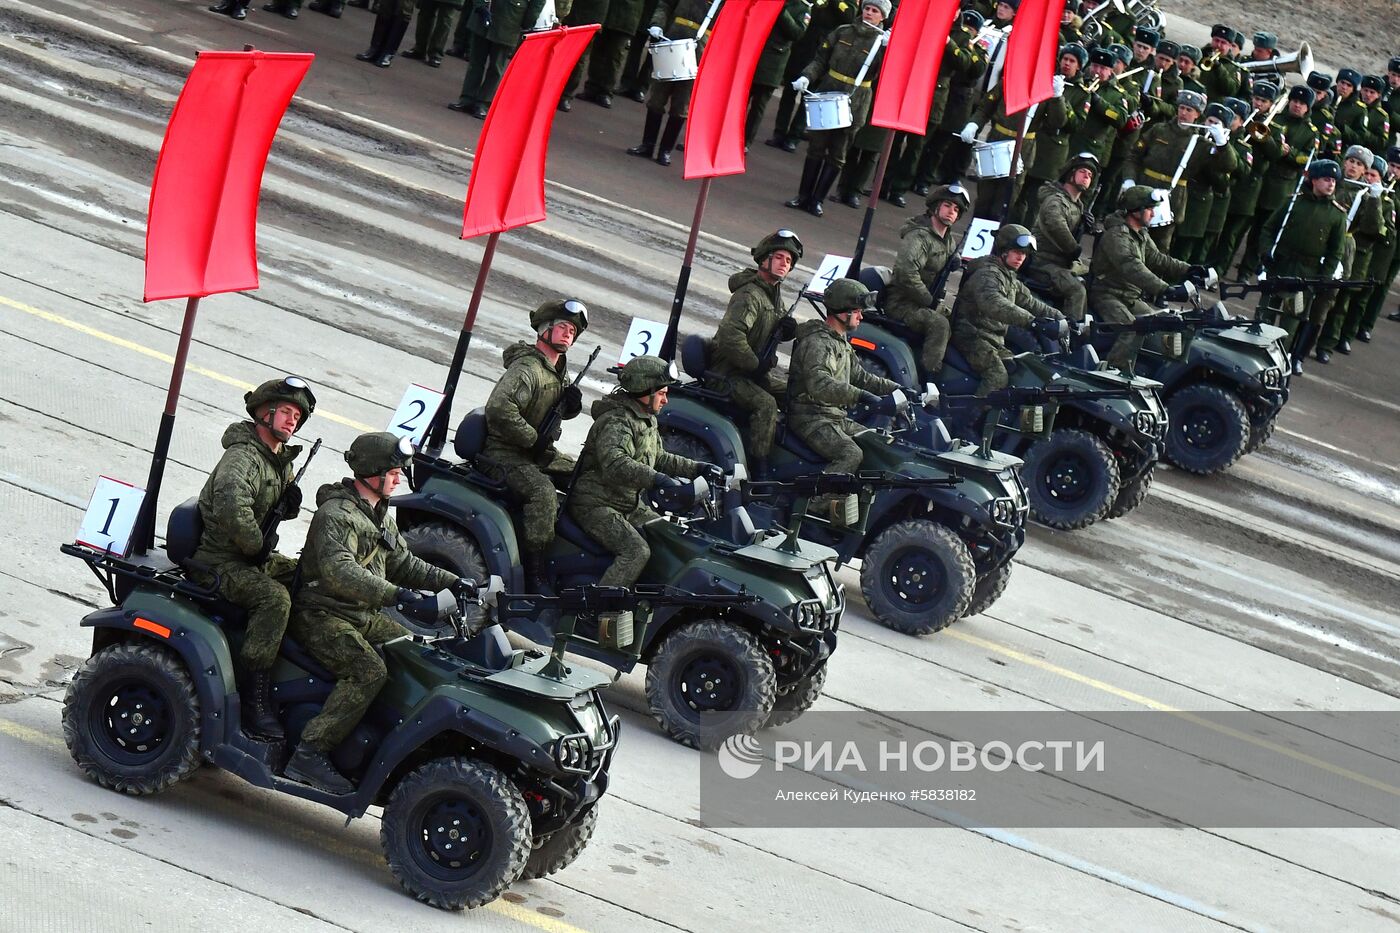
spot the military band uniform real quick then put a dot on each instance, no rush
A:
(825, 380)
(436, 19)
(1311, 244)
(838, 63)
(1329, 309)
(1050, 115)
(790, 122)
(1126, 270)
(1280, 180)
(494, 28)
(991, 299)
(790, 26)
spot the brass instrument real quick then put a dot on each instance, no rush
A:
(1208, 63)
(1093, 85)
(1299, 63)
(1145, 14)
(1257, 129)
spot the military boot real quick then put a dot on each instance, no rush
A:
(615, 629)
(258, 718)
(825, 180)
(376, 40)
(312, 767)
(397, 29)
(332, 8)
(650, 131)
(810, 170)
(669, 137)
(237, 9)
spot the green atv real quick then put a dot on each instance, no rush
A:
(714, 667)
(489, 763)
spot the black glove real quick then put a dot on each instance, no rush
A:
(868, 399)
(787, 328)
(1176, 293)
(555, 432)
(571, 402)
(464, 587)
(1055, 328)
(416, 606)
(712, 472)
(292, 496)
(1197, 274)
(887, 404)
(662, 481)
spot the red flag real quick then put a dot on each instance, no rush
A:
(909, 74)
(714, 134)
(201, 225)
(507, 182)
(1031, 53)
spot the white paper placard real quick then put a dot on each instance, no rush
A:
(978, 241)
(643, 337)
(832, 268)
(415, 413)
(110, 516)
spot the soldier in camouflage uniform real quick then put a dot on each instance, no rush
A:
(1058, 227)
(991, 299)
(355, 563)
(622, 459)
(254, 473)
(535, 381)
(1128, 269)
(926, 246)
(754, 310)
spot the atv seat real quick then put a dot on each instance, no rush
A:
(789, 441)
(183, 531)
(569, 530)
(957, 376)
(896, 329)
(303, 659)
(471, 434)
(695, 356)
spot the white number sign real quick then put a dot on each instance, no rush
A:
(110, 516)
(415, 413)
(979, 237)
(831, 269)
(643, 337)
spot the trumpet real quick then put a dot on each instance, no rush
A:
(1208, 63)
(1093, 85)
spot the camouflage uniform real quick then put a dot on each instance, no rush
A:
(620, 461)
(235, 501)
(909, 298)
(1127, 268)
(354, 562)
(1057, 233)
(825, 380)
(991, 299)
(754, 309)
(518, 405)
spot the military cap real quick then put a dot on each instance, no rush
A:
(1146, 36)
(1191, 52)
(1077, 50)
(1302, 93)
(1121, 52)
(1239, 108)
(567, 309)
(1265, 40)
(1137, 198)
(1324, 168)
(643, 375)
(1393, 154)
(1394, 66)
(882, 5)
(1350, 76)
(779, 239)
(1359, 153)
(847, 295)
(1264, 90)
(1379, 164)
(1319, 81)
(1168, 47)
(377, 453)
(1221, 31)
(954, 192)
(1221, 112)
(1374, 83)
(1193, 99)
(1014, 4)
(973, 20)
(292, 389)
(1013, 236)
(1102, 57)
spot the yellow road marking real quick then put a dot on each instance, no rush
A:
(32, 736)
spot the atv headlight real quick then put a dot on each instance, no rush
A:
(1003, 510)
(1145, 422)
(573, 753)
(1272, 378)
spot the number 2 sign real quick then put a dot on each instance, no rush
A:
(415, 413)
(110, 516)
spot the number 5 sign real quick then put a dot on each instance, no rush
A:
(110, 516)
(643, 337)
(978, 241)
(415, 413)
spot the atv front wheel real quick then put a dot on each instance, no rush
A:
(917, 577)
(1131, 495)
(797, 700)
(988, 590)
(557, 851)
(455, 833)
(131, 719)
(710, 680)
(1259, 434)
(1071, 478)
(1208, 429)
(450, 548)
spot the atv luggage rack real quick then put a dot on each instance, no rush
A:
(151, 570)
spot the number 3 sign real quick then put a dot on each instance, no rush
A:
(110, 516)
(643, 337)
(415, 413)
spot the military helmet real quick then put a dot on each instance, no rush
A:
(1138, 198)
(954, 192)
(1013, 236)
(1324, 168)
(292, 389)
(567, 309)
(1082, 160)
(377, 453)
(778, 239)
(847, 295)
(643, 375)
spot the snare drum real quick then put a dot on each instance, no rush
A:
(828, 110)
(993, 159)
(673, 60)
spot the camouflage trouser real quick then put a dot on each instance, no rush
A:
(832, 440)
(761, 402)
(263, 592)
(1067, 287)
(933, 324)
(1117, 311)
(674, 93)
(988, 359)
(618, 534)
(530, 480)
(346, 650)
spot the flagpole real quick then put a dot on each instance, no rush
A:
(1015, 161)
(668, 344)
(436, 437)
(870, 205)
(143, 534)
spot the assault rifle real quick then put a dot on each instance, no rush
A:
(1291, 283)
(940, 284)
(1033, 402)
(281, 508)
(555, 416)
(1165, 323)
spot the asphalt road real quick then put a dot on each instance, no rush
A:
(1272, 588)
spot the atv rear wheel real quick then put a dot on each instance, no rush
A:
(710, 680)
(1131, 495)
(455, 833)
(917, 577)
(1208, 429)
(559, 849)
(988, 590)
(797, 700)
(1071, 478)
(450, 548)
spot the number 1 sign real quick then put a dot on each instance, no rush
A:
(415, 413)
(110, 516)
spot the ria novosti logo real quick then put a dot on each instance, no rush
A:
(740, 757)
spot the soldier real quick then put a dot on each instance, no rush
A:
(390, 26)
(1265, 47)
(1323, 118)
(1188, 60)
(907, 153)
(355, 563)
(826, 379)
(673, 19)
(1168, 83)
(602, 61)
(991, 299)
(1385, 270)
(840, 60)
(1128, 136)
(1377, 135)
(535, 381)
(1208, 177)
(622, 459)
(754, 310)
(945, 157)
(1307, 239)
(790, 122)
(635, 77)
(1223, 78)
(493, 35)
(1254, 153)
(1052, 150)
(254, 473)
(1350, 114)
(995, 195)
(1110, 109)
(1145, 48)
(1058, 226)
(926, 248)
(1392, 94)
(1364, 226)
(1380, 246)
(1128, 268)
(790, 27)
(436, 19)
(1281, 175)
(1159, 153)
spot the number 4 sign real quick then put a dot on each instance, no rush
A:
(831, 269)
(415, 413)
(978, 241)
(110, 516)
(643, 337)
